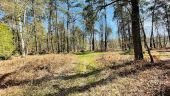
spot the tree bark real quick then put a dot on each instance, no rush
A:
(34, 29)
(145, 42)
(136, 30)
(167, 21)
(152, 40)
(21, 38)
(93, 40)
(106, 35)
(56, 29)
(68, 22)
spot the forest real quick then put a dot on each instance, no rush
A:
(84, 47)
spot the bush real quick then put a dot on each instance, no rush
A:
(6, 42)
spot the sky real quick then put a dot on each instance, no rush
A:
(112, 23)
(1, 14)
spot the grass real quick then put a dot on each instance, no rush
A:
(87, 61)
(82, 74)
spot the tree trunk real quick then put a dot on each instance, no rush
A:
(106, 35)
(129, 39)
(136, 30)
(93, 40)
(68, 20)
(49, 34)
(152, 40)
(21, 38)
(165, 41)
(145, 42)
(168, 22)
(34, 29)
(57, 31)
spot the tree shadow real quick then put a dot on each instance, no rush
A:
(84, 53)
(165, 88)
(163, 51)
(124, 73)
(80, 75)
(66, 91)
(165, 91)
(3, 76)
(95, 71)
(34, 82)
(9, 83)
(115, 67)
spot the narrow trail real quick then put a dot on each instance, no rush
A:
(87, 61)
(86, 74)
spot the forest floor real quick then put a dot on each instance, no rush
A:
(86, 74)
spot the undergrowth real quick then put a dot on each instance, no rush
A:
(86, 74)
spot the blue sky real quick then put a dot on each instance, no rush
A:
(112, 24)
(1, 14)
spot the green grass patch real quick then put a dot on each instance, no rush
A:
(86, 61)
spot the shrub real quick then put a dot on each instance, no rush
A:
(6, 42)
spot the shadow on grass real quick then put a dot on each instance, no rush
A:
(84, 53)
(164, 92)
(2, 77)
(115, 67)
(104, 81)
(79, 75)
(165, 88)
(9, 83)
(35, 82)
(127, 52)
(163, 51)
(66, 91)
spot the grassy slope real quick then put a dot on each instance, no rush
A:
(94, 74)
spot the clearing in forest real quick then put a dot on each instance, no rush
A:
(88, 73)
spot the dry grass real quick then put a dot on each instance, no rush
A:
(33, 62)
(112, 59)
(21, 71)
(92, 74)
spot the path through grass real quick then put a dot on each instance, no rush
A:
(87, 61)
(82, 75)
